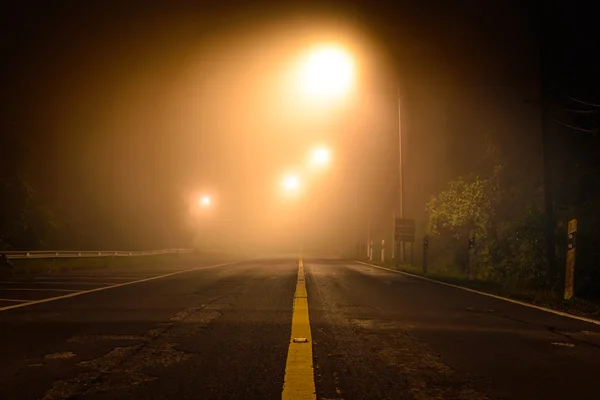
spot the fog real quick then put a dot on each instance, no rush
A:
(136, 114)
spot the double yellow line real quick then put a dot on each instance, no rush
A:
(299, 382)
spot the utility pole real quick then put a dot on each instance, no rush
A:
(548, 135)
(400, 171)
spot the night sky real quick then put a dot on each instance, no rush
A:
(129, 108)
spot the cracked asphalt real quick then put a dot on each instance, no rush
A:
(222, 332)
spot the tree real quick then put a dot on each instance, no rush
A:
(506, 221)
(467, 206)
(26, 222)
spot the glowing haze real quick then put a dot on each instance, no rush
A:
(326, 72)
(141, 113)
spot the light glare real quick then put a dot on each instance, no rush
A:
(328, 71)
(320, 157)
(205, 201)
(291, 183)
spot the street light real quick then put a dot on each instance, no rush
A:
(319, 157)
(205, 201)
(326, 72)
(291, 183)
(329, 72)
(326, 78)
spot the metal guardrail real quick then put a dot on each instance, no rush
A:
(13, 255)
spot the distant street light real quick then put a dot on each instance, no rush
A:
(205, 201)
(291, 184)
(319, 157)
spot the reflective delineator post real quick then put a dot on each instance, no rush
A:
(570, 271)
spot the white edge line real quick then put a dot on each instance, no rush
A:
(522, 303)
(16, 300)
(110, 287)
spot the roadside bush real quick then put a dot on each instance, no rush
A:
(517, 258)
(448, 255)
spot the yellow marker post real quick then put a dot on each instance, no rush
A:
(299, 382)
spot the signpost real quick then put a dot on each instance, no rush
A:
(404, 232)
(570, 272)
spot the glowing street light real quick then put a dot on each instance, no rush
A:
(327, 71)
(291, 183)
(320, 157)
(205, 201)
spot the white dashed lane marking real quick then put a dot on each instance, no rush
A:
(44, 287)
(18, 287)
(19, 290)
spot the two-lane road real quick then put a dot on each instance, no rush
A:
(223, 332)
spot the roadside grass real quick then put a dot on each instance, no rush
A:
(544, 298)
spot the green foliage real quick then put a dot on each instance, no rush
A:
(467, 205)
(467, 208)
(508, 226)
(517, 258)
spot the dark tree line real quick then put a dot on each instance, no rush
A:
(520, 225)
(506, 214)
(26, 222)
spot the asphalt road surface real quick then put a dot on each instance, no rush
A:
(223, 332)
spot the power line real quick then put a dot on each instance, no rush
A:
(573, 127)
(582, 111)
(583, 102)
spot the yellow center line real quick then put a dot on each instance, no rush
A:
(299, 382)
